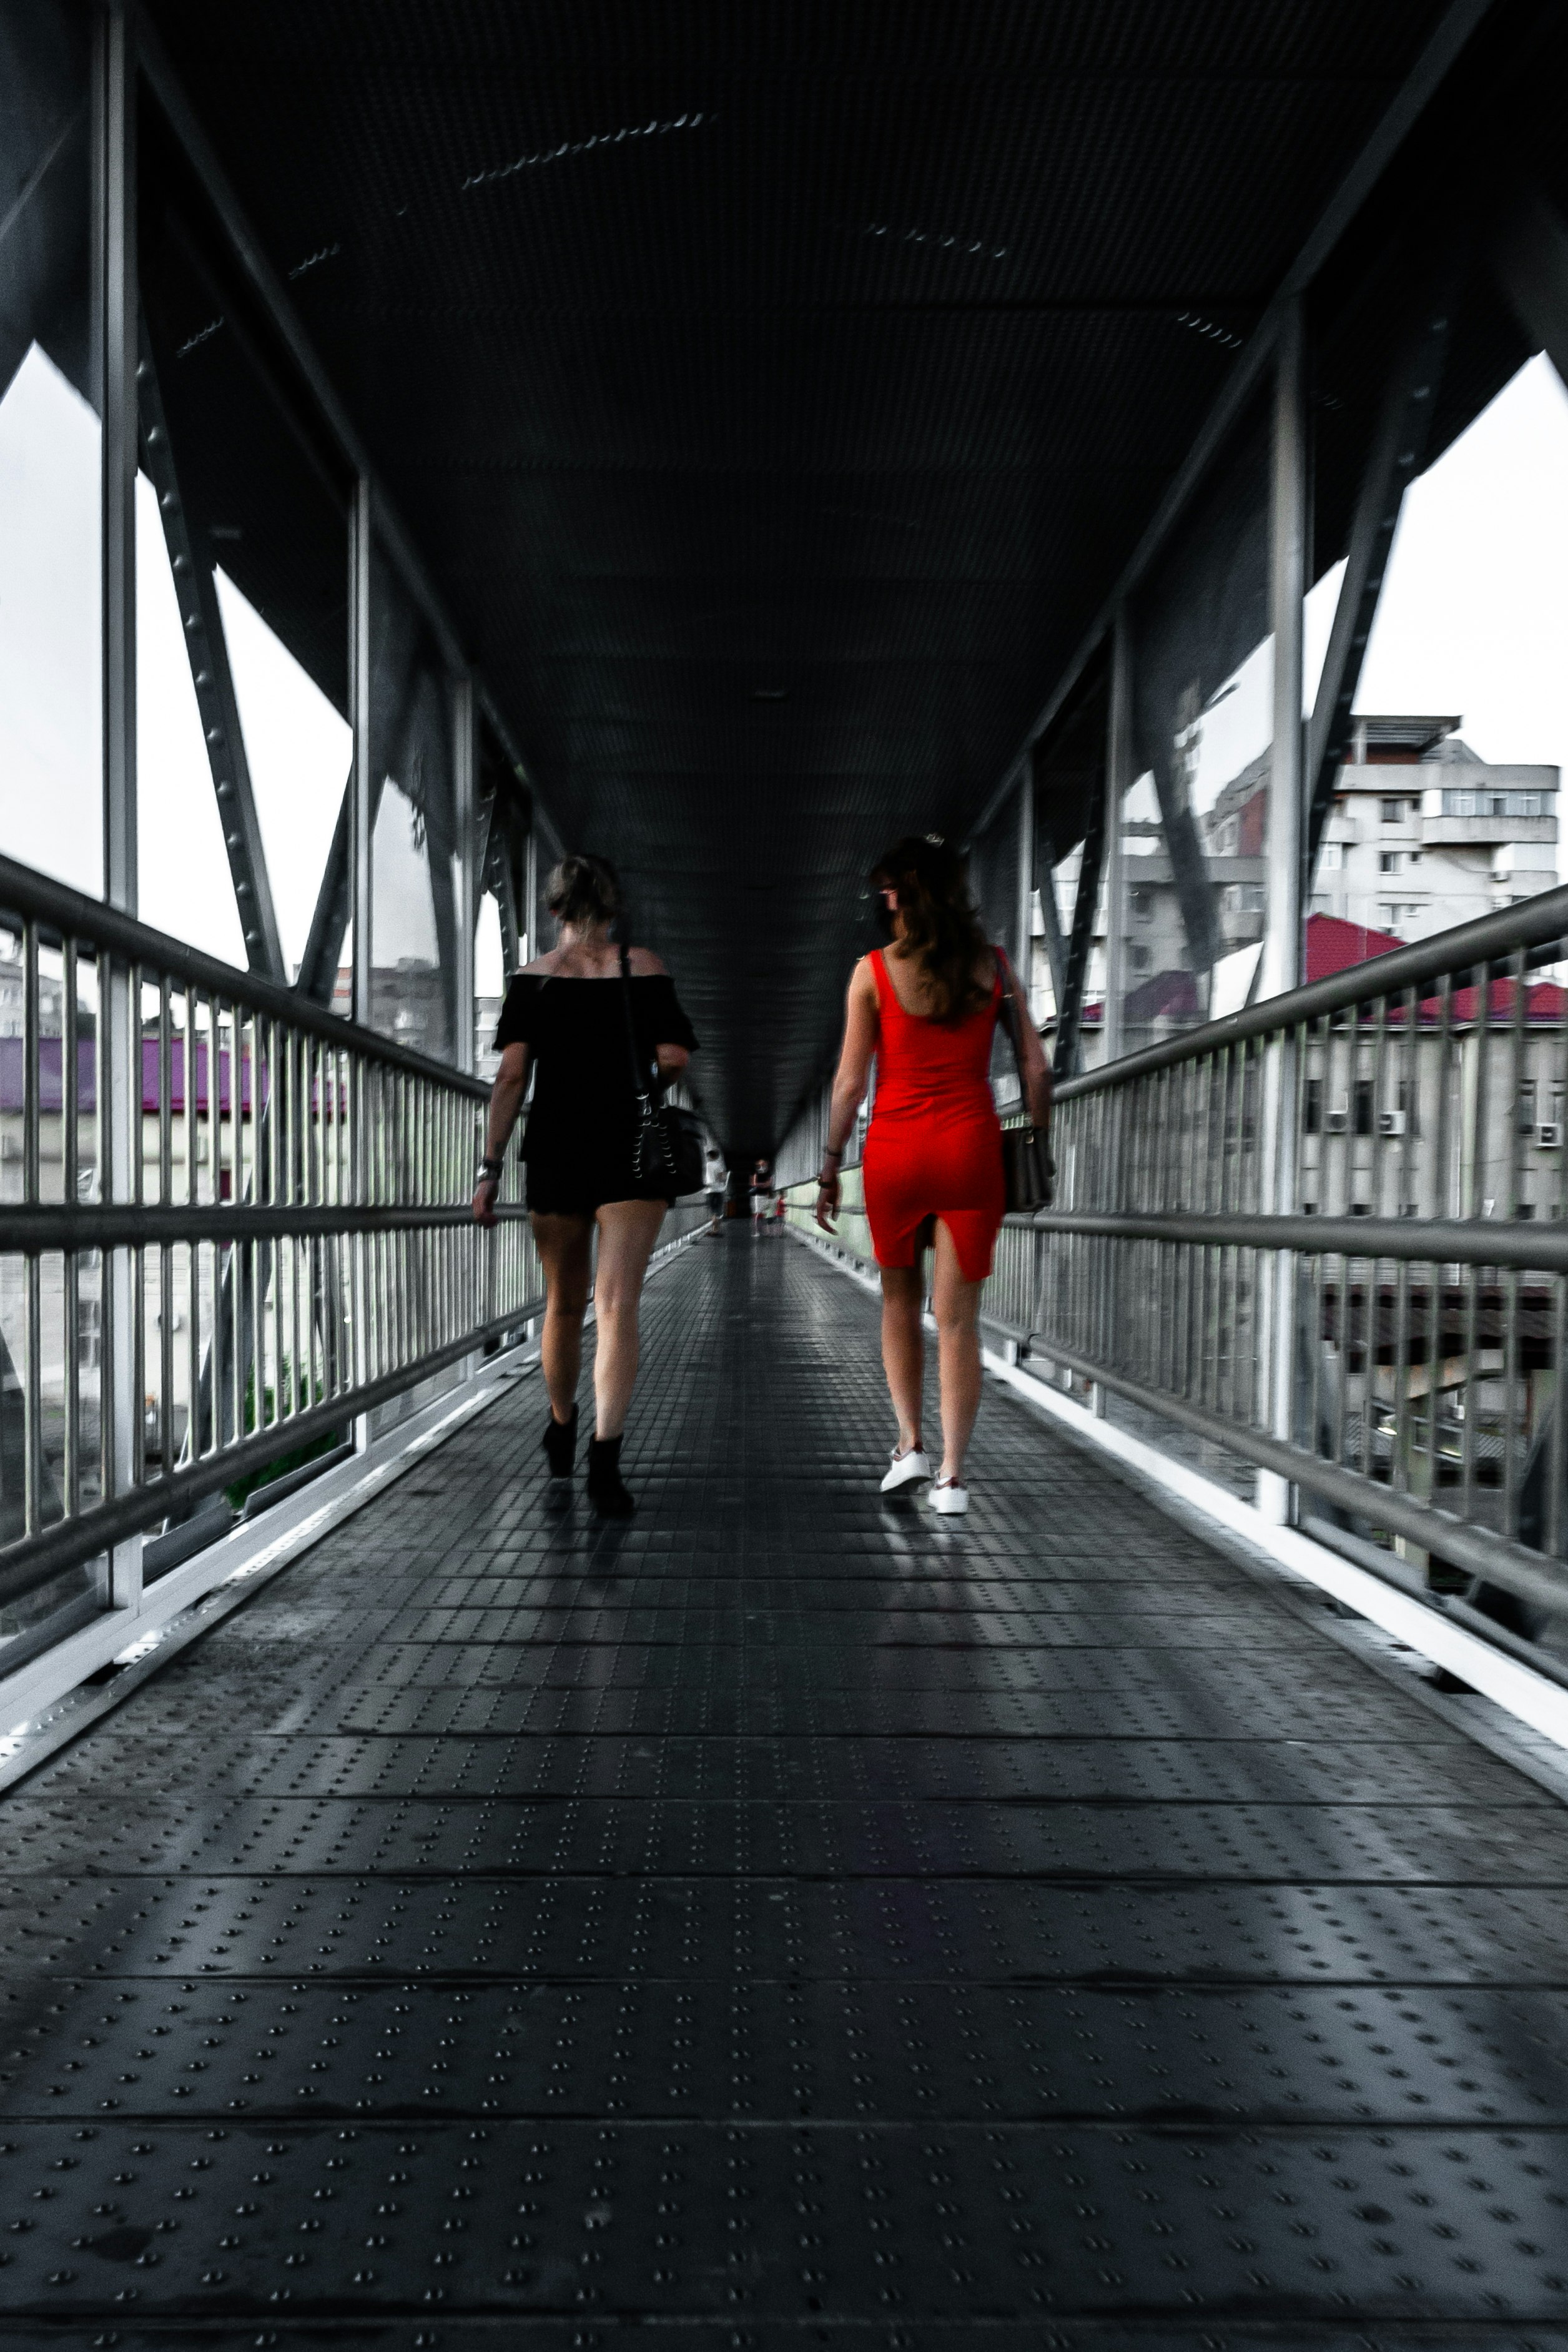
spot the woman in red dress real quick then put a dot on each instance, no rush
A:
(926, 1007)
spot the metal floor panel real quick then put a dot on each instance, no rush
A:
(784, 1921)
(174, 1781)
(795, 1835)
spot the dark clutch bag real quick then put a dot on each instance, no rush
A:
(668, 1152)
(1028, 1172)
(667, 1155)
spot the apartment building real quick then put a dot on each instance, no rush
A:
(1425, 834)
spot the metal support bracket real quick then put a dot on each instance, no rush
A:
(1530, 262)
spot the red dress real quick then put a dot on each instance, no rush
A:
(933, 1147)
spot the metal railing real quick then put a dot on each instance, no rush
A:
(230, 1222)
(1331, 1233)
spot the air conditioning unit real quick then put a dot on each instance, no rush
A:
(1549, 1134)
(1391, 1122)
(1336, 1122)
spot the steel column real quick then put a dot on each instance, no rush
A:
(120, 1048)
(1119, 781)
(1280, 964)
(531, 944)
(467, 880)
(360, 792)
(1025, 957)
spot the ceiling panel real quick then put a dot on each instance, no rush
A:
(832, 352)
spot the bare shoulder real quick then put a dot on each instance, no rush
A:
(646, 964)
(541, 968)
(863, 979)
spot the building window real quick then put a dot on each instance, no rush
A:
(1364, 1122)
(1142, 903)
(1140, 958)
(1392, 812)
(1312, 1108)
(1388, 861)
(1482, 804)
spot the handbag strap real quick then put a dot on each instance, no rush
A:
(640, 1086)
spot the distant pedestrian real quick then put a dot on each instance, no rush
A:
(716, 1184)
(566, 1016)
(761, 1195)
(927, 1007)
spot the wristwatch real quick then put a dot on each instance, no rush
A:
(488, 1172)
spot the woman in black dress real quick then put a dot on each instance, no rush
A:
(565, 1018)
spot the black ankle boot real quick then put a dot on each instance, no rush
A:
(560, 1444)
(605, 1490)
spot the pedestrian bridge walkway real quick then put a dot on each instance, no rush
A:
(785, 1918)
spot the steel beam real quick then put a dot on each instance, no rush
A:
(206, 647)
(1070, 1005)
(1392, 461)
(1050, 917)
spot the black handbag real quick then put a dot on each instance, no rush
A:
(1028, 1172)
(667, 1155)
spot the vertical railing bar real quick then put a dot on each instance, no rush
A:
(1511, 1448)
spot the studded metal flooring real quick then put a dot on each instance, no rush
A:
(785, 1919)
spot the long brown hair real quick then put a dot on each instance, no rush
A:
(941, 928)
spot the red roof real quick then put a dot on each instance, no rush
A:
(1334, 946)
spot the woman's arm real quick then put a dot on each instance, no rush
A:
(848, 1085)
(1035, 1070)
(505, 1101)
(672, 1060)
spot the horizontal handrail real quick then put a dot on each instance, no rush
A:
(114, 1516)
(39, 899)
(1451, 954)
(1448, 1241)
(128, 1225)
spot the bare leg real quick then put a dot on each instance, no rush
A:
(566, 1249)
(903, 1348)
(957, 1307)
(627, 1231)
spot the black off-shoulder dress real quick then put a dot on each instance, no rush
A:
(582, 1121)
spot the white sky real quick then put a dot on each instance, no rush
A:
(1474, 619)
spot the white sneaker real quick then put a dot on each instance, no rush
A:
(948, 1498)
(906, 1468)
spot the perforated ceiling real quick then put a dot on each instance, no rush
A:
(776, 391)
